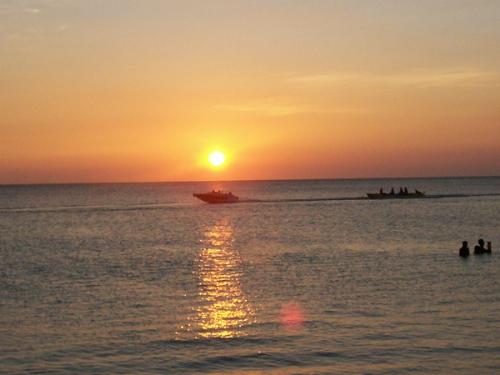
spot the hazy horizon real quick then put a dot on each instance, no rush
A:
(252, 180)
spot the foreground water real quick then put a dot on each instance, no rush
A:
(142, 278)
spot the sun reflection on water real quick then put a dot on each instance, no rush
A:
(223, 310)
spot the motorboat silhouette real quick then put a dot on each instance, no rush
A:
(216, 197)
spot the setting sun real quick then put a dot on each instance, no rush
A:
(216, 158)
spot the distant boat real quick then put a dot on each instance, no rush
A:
(216, 197)
(416, 194)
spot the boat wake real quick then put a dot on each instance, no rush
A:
(361, 198)
(179, 205)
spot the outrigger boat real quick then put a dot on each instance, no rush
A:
(392, 195)
(215, 197)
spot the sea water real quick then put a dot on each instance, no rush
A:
(144, 278)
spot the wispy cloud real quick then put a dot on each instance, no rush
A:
(21, 22)
(417, 78)
(261, 108)
(62, 27)
(19, 7)
(16, 7)
(273, 107)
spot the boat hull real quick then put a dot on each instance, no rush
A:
(217, 198)
(395, 196)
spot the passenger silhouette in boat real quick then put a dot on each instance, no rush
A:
(403, 193)
(479, 248)
(464, 250)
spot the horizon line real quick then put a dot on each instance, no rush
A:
(246, 180)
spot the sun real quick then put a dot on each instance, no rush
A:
(216, 158)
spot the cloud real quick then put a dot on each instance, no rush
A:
(16, 7)
(10, 7)
(19, 22)
(273, 107)
(62, 27)
(262, 108)
(417, 78)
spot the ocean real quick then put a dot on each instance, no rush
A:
(146, 279)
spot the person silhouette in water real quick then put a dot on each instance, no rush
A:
(464, 250)
(488, 248)
(479, 248)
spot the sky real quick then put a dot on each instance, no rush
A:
(129, 90)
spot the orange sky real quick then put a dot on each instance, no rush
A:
(142, 91)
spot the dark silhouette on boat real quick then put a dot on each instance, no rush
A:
(217, 197)
(403, 194)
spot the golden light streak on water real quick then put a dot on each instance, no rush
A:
(223, 310)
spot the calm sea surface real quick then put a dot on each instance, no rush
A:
(144, 278)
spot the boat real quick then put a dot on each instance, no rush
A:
(400, 195)
(216, 197)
